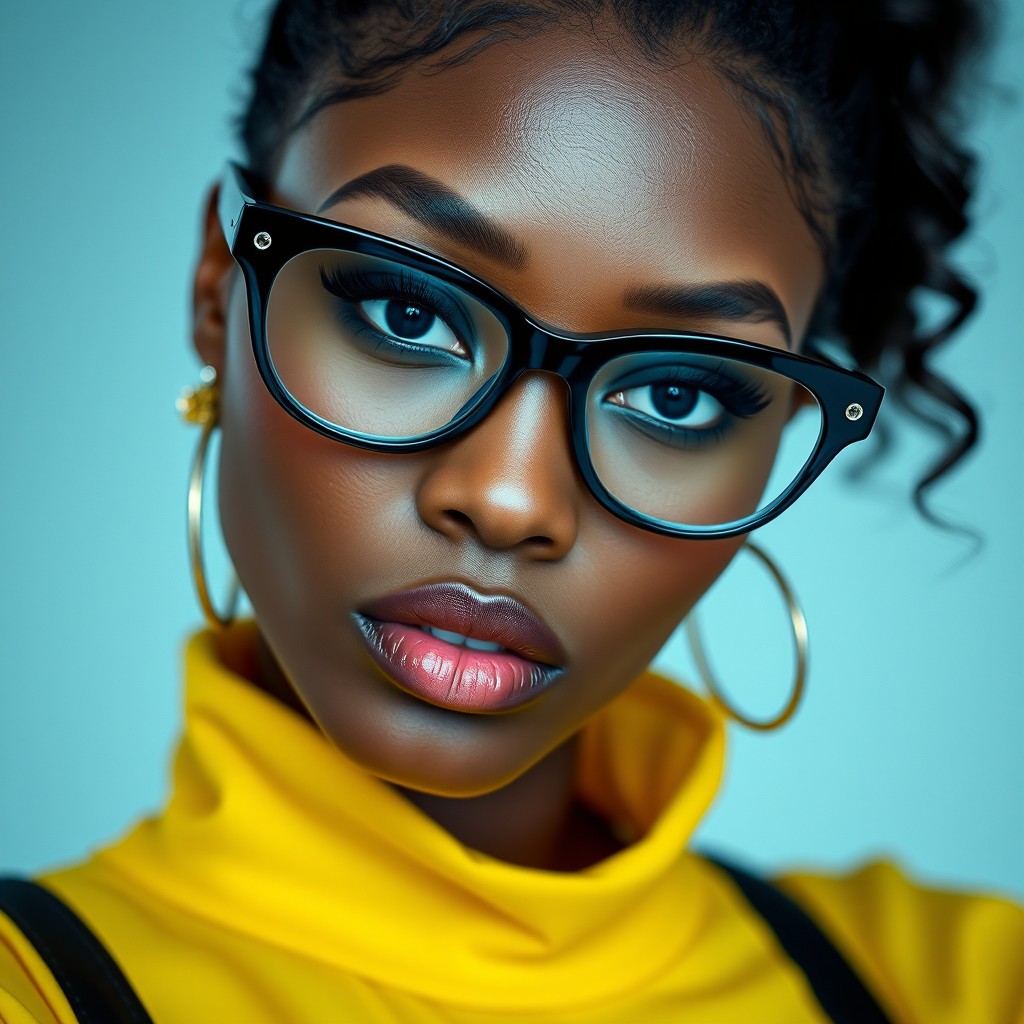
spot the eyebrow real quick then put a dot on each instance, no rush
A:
(740, 301)
(444, 210)
(439, 207)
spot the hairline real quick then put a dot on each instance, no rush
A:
(776, 109)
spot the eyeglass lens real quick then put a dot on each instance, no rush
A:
(391, 352)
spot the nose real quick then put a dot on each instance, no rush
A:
(511, 482)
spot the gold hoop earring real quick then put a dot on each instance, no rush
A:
(201, 406)
(799, 624)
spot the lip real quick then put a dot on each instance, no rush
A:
(452, 675)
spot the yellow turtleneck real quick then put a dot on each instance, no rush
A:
(283, 884)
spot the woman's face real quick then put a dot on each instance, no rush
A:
(607, 174)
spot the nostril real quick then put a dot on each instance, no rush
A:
(458, 518)
(465, 524)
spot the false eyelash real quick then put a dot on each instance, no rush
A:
(360, 286)
(742, 398)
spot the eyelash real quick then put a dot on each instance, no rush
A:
(357, 286)
(741, 399)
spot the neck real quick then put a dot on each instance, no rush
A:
(534, 821)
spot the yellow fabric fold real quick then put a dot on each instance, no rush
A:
(272, 830)
(282, 883)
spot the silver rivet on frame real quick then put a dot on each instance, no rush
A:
(854, 411)
(262, 240)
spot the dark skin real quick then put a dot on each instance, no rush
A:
(610, 174)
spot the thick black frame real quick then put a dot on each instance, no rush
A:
(262, 238)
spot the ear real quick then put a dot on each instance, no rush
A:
(211, 289)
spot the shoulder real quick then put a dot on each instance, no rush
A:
(28, 992)
(932, 954)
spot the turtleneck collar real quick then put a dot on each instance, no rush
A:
(271, 831)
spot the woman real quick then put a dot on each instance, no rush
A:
(433, 782)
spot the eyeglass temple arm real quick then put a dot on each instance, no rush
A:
(235, 194)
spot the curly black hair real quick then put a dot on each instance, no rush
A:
(858, 98)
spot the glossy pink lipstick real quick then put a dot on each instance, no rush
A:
(460, 649)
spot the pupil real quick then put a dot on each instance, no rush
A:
(407, 320)
(673, 400)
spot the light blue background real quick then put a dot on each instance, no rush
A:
(114, 118)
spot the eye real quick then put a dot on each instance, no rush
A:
(408, 315)
(406, 319)
(674, 403)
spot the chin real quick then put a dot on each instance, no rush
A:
(438, 752)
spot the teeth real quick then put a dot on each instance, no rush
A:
(462, 641)
(483, 645)
(444, 634)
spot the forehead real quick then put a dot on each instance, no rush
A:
(583, 149)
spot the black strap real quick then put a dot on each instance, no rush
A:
(841, 993)
(92, 982)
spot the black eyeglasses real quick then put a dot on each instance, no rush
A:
(377, 344)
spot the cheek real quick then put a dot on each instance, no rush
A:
(639, 587)
(295, 507)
